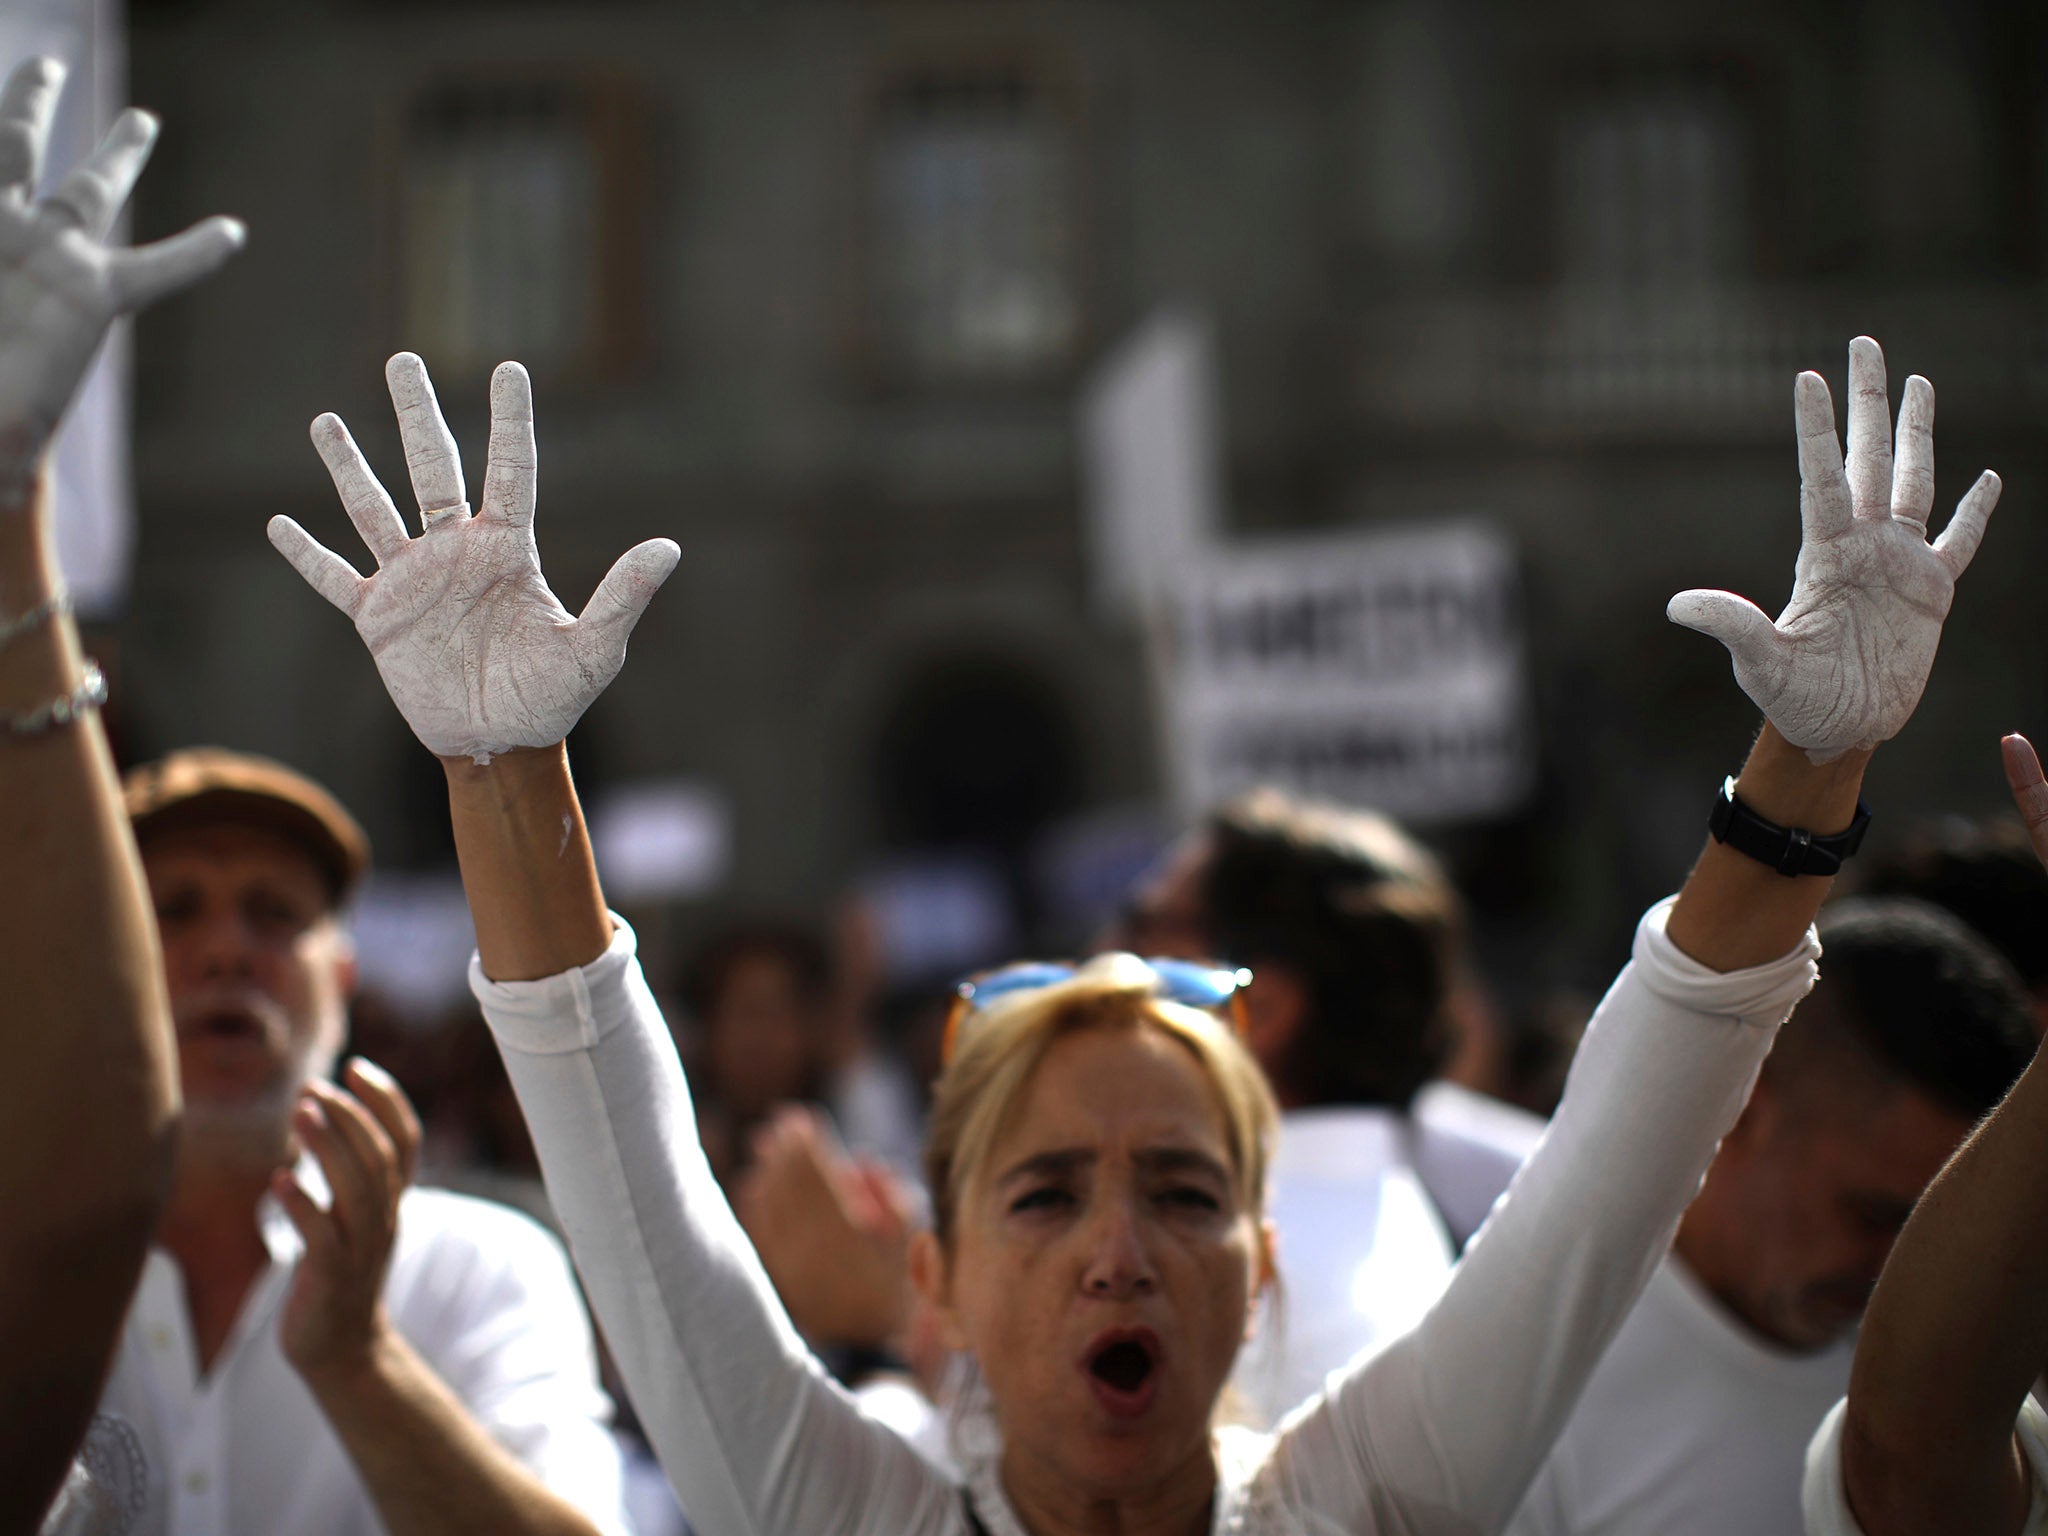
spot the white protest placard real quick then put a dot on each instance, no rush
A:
(1150, 459)
(1384, 669)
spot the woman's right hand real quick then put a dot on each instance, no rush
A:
(476, 651)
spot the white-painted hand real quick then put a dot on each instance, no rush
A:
(478, 655)
(61, 285)
(1844, 666)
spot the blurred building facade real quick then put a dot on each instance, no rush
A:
(810, 285)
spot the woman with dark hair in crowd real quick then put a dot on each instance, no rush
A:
(1099, 1134)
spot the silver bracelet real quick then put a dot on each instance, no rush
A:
(56, 605)
(44, 718)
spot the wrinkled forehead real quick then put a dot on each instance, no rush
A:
(1118, 1093)
(228, 852)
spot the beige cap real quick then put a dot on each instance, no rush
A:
(211, 784)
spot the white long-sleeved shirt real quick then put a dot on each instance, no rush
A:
(1467, 1149)
(1440, 1432)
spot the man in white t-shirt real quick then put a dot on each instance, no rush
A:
(1351, 930)
(316, 1348)
(1697, 1420)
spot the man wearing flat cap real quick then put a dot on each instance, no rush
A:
(316, 1347)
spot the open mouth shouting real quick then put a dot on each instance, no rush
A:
(230, 1024)
(1122, 1365)
(229, 1038)
(226, 1023)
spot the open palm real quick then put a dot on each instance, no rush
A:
(61, 285)
(1845, 663)
(476, 651)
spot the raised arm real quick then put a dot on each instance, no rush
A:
(1843, 667)
(1958, 1328)
(89, 1097)
(491, 672)
(1453, 1420)
(486, 665)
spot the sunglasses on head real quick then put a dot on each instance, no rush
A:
(1216, 988)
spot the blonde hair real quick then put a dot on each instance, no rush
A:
(999, 1049)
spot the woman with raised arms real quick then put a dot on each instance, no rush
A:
(1099, 1138)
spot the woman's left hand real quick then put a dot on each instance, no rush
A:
(1844, 666)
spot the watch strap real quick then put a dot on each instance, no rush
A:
(1789, 850)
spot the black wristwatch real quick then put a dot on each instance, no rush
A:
(1788, 850)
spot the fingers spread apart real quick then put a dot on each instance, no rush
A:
(325, 571)
(93, 195)
(1736, 622)
(1913, 473)
(28, 103)
(430, 452)
(509, 477)
(1824, 505)
(1869, 465)
(91, 198)
(142, 276)
(1965, 531)
(615, 607)
(365, 500)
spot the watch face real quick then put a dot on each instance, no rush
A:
(1723, 813)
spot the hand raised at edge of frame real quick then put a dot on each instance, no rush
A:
(2029, 788)
(1845, 663)
(61, 284)
(476, 651)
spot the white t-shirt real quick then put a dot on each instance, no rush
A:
(1690, 1426)
(1441, 1430)
(484, 1295)
(1827, 1506)
(1362, 1253)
